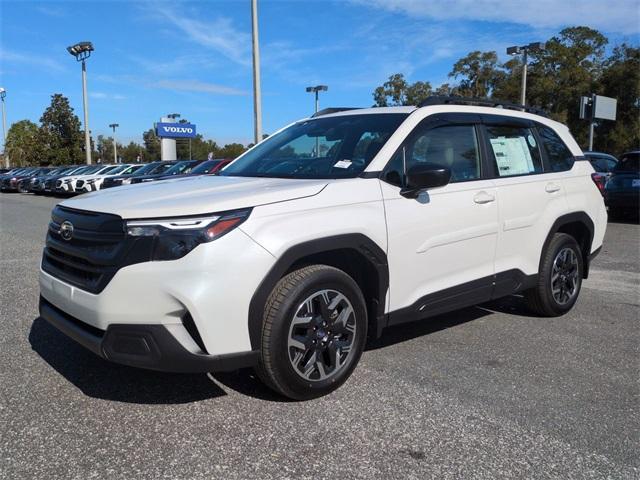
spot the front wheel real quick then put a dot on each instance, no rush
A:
(559, 278)
(313, 334)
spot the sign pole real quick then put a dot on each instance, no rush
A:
(592, 121)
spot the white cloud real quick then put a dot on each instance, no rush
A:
(107, 96)
(197, 86)
(218, 34)
(32, 60)
(614, 16)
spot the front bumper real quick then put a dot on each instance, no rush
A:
(152, 347)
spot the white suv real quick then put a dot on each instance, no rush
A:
(322, 235)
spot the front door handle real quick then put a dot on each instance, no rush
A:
(483, 197)
(552, 187)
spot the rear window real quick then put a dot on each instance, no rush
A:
(560, 157)
(630, 162)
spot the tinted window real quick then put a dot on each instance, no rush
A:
(630, 162)
(455, 147)
(560, 157)
(515, 150)
(602, 164)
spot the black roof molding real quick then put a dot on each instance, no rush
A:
(327, 111)
(480, 102)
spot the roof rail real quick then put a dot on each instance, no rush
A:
(480, 102)
(327, 111)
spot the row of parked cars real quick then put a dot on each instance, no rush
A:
(618, 181)
(76, 179)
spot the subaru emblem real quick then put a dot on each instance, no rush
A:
(66, 230)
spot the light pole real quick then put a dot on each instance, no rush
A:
(82, 51)
(524, 50)
(113, 126)
(316, 90)
(3, 94)
(257, 96)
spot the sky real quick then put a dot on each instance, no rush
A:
(194, 57)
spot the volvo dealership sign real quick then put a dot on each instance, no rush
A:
(175, 130)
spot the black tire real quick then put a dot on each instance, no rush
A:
(275, 367)
(540, 299)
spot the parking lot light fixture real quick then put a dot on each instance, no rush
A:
(3, 94)
(524, 50)
(316, 90)
(81, 51)
(113, 126)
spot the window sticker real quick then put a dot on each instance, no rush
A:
(512, 156)
(342, 164)
(532, 140)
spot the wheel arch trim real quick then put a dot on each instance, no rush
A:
(358, 242)
(570, 218)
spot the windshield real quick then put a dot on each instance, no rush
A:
(131, 168)
(333, 147)
(148, 168)
(160, 168)
(181, 167)
(206, 167)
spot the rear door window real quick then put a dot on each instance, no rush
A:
(515, 150)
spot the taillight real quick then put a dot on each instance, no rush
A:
(600, 181)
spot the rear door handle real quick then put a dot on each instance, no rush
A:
(483, 197)
(551, 187)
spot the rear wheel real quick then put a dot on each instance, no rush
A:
(313, 334)
(559, 279)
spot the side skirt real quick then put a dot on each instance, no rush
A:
(465, 295)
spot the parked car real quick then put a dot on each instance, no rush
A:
(94, 183)
(50, 181)
(183, 167)
(38, 182)
(25, 184)
(323, 235)
(603, 164)
(208, 167)
(9, 183)
(8, 175)
(622, 191)
(66, 185)
(126, 178)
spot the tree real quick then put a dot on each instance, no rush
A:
(231, 150)
(60, 133)
(621, 80)
(480, 72)
(23, 144)
(396, 91)
(151, 145)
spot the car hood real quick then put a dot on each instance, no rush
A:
(194, 196)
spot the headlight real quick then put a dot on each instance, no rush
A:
(173, 238)
(126, 181)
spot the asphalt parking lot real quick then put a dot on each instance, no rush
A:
(485, 392)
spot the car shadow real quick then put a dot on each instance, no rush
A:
(99, 378)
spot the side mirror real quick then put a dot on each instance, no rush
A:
(424, 176)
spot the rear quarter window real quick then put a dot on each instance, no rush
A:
(559, 156)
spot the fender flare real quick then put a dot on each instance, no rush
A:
(352, 241)
(580, 217)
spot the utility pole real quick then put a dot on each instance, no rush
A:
(82, 51)
(115, 150)
(257, 96)
(3, 94)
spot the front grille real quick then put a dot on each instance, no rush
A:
(79, 183)
(58, 183)
(48, 184)
(95, 252)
